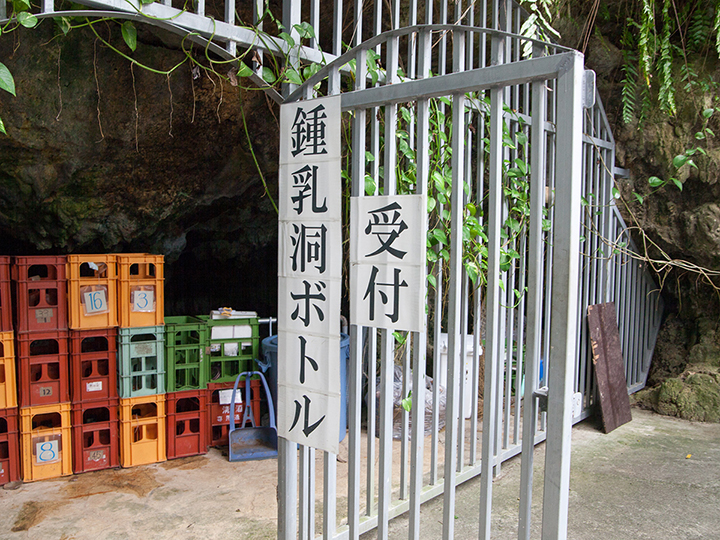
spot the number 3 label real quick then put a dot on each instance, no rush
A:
(143, 300)
(95, 302)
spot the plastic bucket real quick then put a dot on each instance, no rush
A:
(270, 367)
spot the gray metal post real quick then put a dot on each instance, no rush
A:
(287, 489)
(563, 326)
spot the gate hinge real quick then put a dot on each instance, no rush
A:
(588, 89)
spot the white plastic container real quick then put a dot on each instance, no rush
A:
(467, 380)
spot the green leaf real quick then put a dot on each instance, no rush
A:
(369, 156)
(680, 160)
(431, 204)
(432, 281)
(399, 337)
(521, 138)
(287, 38)
(615, 193)
(7, 82)
(707, 113)
(638, 197)
(268, 75)
(369, 185)
(129, 34)
(63, 23)
(654, 181)
(244, 70)
(21, 5)
(472, 271)
(678, 183)
(471, 208)
(293, 76)
(2, 127)
(28, 20)
(407, 402)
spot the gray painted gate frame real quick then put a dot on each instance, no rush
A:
(567, 69)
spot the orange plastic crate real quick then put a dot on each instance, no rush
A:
(6, 311)
(40, 293)
(8, 381)
(142, 430)
(92, 291)
(46, 442)
(9, 446)
(96, 440)
(141, 290)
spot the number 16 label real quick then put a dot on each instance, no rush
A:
(95, 302)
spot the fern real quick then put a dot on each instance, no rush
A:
(698, 34)
(646, 39)
(629, 83)
(716, 27)
(666, 93)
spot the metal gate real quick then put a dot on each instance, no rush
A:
(509, 113)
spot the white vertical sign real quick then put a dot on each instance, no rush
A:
(310, 273)
(387, 262)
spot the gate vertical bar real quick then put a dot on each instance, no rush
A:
(287, 489)
(454, 292)
(492, 333)
(534, 294)
(563, 333)
(420, 338)
(356, 332)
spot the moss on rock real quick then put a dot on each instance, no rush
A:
(695, 395)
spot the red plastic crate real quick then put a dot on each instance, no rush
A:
(93, 365)
(219, 414)
(95, 435)
(43, 377)
(6, 311)
(187, 431)
(40, 294)
(9, 446)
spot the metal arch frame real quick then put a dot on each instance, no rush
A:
(178, 30)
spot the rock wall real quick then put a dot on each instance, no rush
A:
(104, 156)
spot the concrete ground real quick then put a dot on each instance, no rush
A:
(656, 477)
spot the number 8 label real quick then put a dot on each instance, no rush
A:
(95, 302)
(46, 452)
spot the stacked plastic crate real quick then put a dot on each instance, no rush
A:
(141, 359)
(92, 307)
(43, 378)
(233, 348)
(188, 371)
(9, 432)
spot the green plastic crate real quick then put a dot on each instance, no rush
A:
(232, 351)
(186, 362)
(141, 361)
